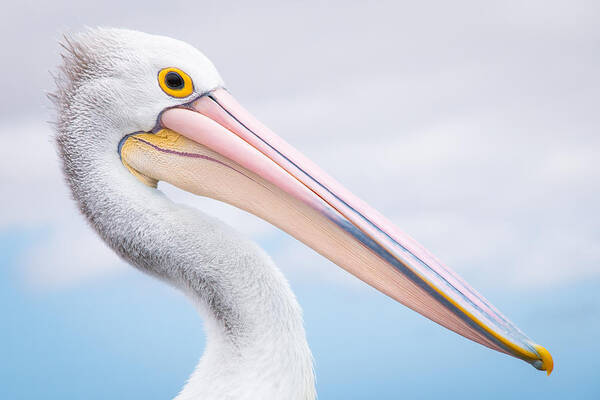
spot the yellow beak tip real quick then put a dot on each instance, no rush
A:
(546, 359)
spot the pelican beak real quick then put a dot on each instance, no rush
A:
(213, 147)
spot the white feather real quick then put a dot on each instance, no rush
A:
(107, 88)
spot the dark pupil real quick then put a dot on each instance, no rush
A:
(174, 80)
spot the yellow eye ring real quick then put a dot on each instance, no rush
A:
(175, 82)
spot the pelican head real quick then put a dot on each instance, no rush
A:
(135, 109)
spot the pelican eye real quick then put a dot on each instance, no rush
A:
(175, 82)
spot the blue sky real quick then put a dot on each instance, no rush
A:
(133, 336)
(479, 125)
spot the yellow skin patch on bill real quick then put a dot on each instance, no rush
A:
(547, 362)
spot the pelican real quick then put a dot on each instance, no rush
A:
(134, 109)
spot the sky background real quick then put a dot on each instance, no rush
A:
(486, 115)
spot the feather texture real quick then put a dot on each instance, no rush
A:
(106, 88)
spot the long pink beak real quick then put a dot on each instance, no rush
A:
(268, 177)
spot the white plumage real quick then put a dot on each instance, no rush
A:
(256, 346)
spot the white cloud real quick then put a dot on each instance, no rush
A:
(476, 132)
(70, 255)
(484, 205)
